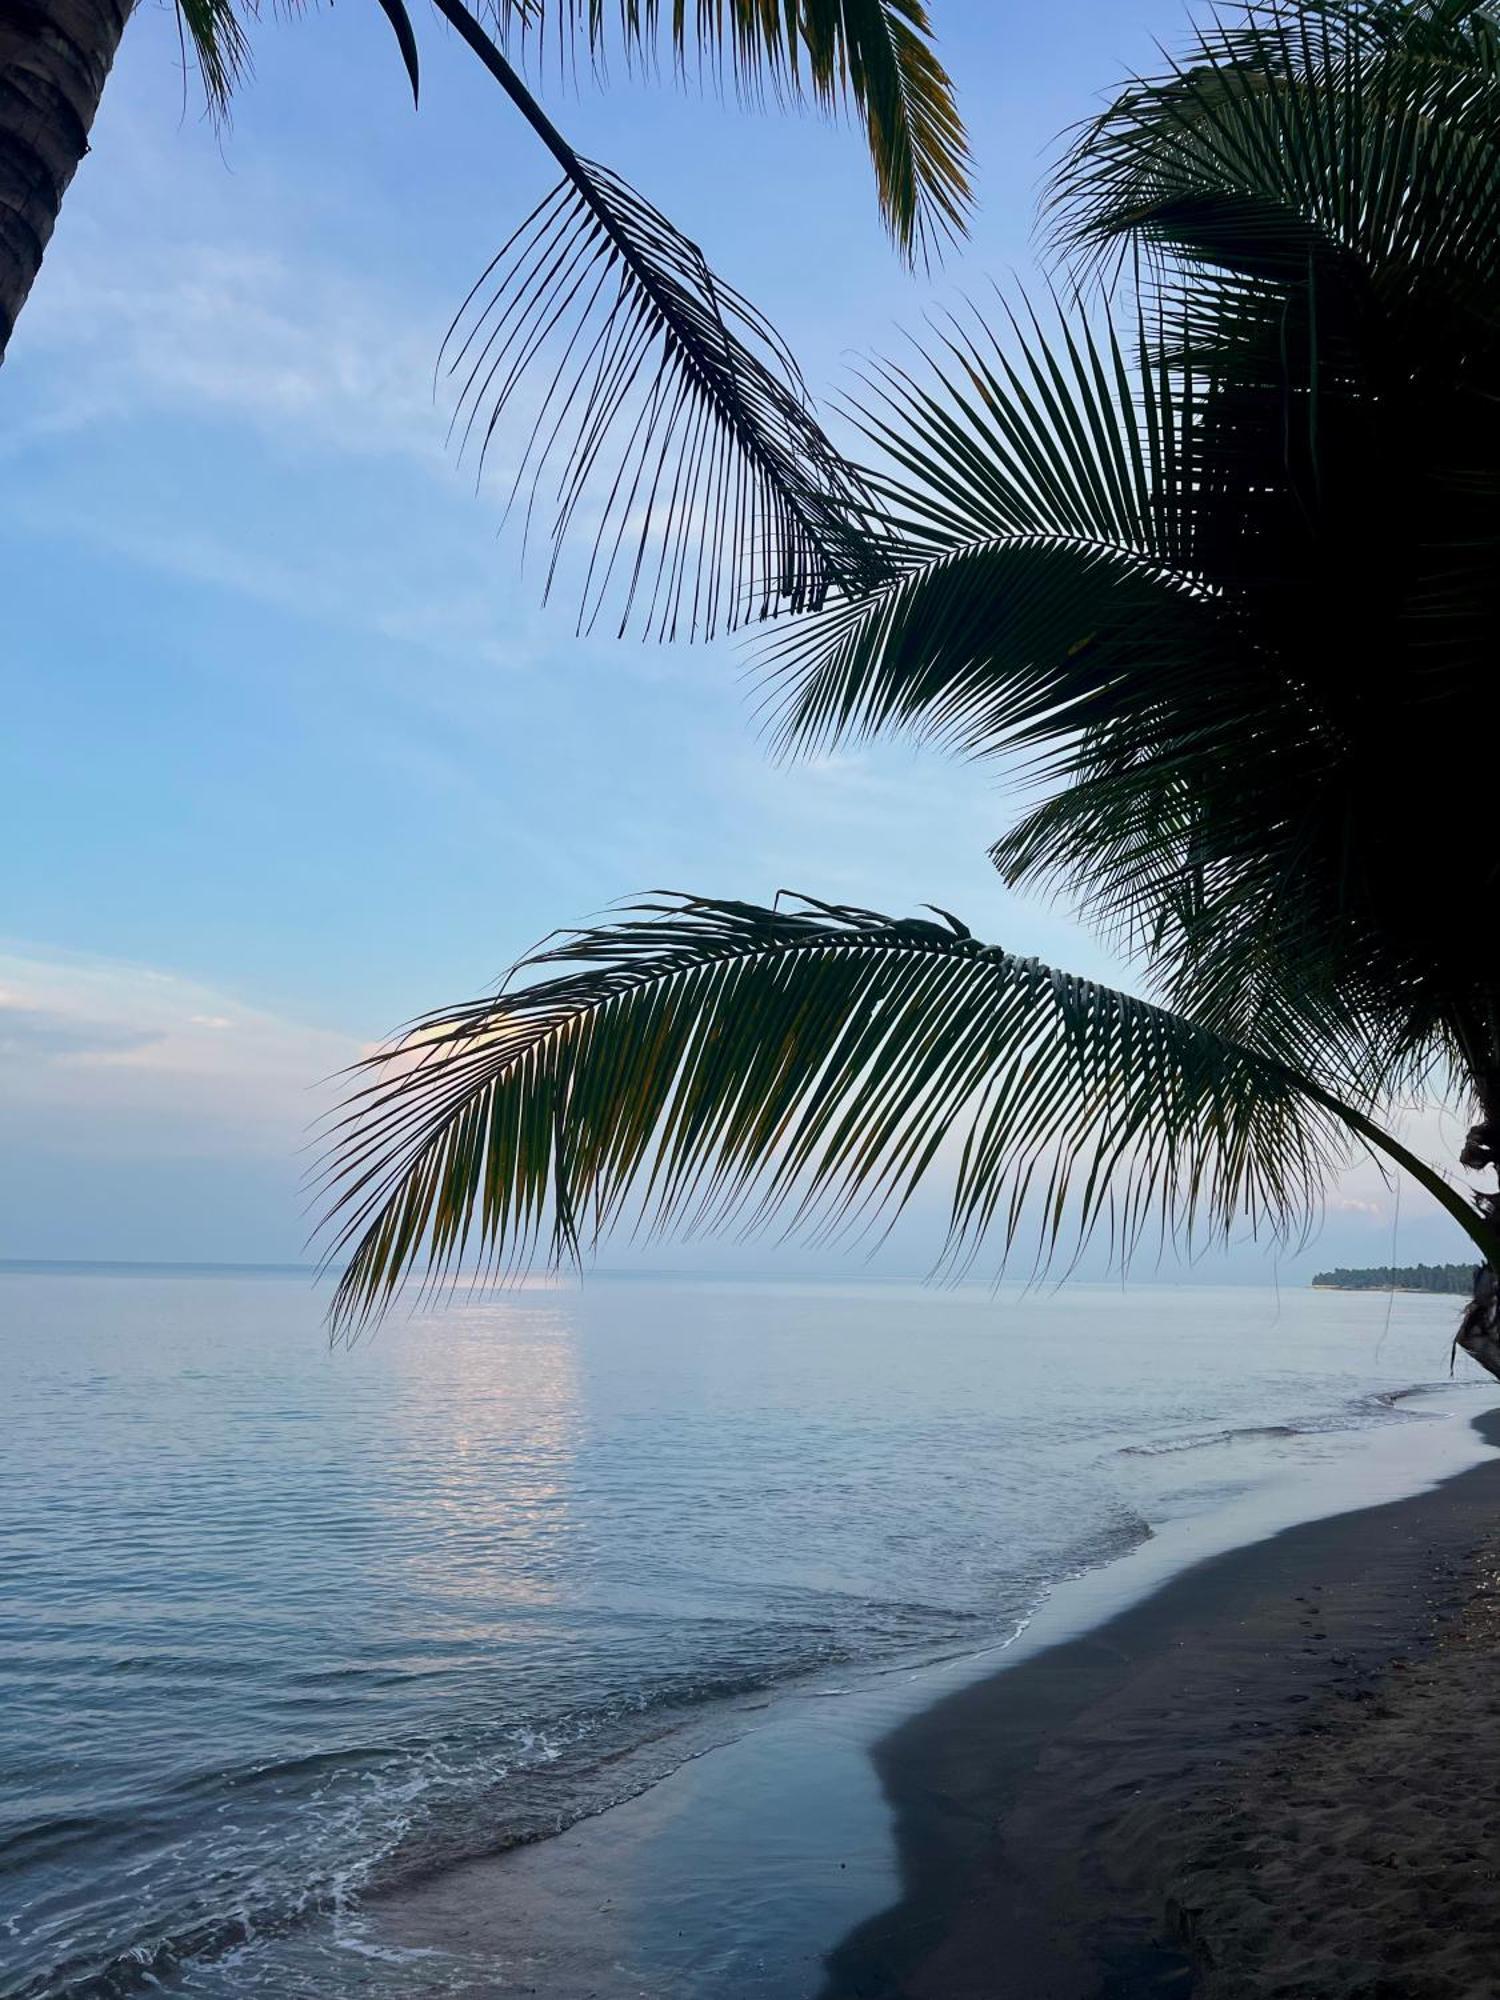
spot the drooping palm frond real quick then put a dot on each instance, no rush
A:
(875, 57)
(665, 415)
(215, 32)
(705, 1062)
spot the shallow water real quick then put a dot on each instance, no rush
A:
(281, 1624)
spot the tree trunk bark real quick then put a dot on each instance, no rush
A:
(54, 58)
(1479, 1329)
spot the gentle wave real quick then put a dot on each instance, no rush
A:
(1360, 1413)
(438, 1809)
(309, 1630)
(443, 1809)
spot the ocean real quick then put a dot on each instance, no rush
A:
(284, 1626)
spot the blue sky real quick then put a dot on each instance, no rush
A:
(292, 750)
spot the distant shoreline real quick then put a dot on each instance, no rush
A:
(1407, 1291)
(1436, 1280)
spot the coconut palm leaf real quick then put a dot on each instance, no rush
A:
(1086, 580)
(1310, 440)
(664, 414)
(1046, 553)
(663, 417)
(875, 57)
(215, 32)
(1364, 138)
(707, 1062)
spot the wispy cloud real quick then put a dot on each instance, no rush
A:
(31, 1034)
(130, 324)
(449, 610)
(98, 1056)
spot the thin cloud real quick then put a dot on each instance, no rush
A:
(32, 1034)
(101, 1056)
(312, 355)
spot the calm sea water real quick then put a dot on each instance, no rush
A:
(281, 1625)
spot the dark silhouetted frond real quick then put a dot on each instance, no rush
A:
(1363, 137)
(661, 415)
(1046, 555)
(1235, 588)
(707, 1062)
(663, 421)
(215, 31)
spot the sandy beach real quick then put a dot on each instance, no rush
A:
(1275, 1775)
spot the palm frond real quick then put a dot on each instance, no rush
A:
(874, 57)
(666, 418)
(1047, 553)
(406, 41)
(1006, 644)
(1172, 571)
(1314, 192)
(709, 1062)
(215, 32)
(879, 55)
(1364, 138)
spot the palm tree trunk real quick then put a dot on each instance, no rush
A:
(1479, 1329)
(54, 58)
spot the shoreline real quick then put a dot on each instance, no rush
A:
(961, 1830)
(1065, 1820)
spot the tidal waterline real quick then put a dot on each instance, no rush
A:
(287, 1627)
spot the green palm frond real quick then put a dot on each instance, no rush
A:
(707, 1062)
(664, 412)
(875, 57)
(215, 32)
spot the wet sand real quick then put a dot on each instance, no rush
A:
(1279, 1775)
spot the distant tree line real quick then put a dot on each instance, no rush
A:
(1401, 1278)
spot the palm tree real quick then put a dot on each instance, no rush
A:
(874, 55)
(1211, 555)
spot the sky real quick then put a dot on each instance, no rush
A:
(293, 749)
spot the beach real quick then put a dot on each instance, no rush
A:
(1275, 1775)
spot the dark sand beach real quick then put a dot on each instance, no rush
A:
(1277, 1775)
(1280, 1775)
